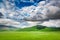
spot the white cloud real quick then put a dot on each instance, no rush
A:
(13, 23)
(51, 23)
(48, 11)
(9, 22)
(42, 3)
(27, 0)
(41, 12)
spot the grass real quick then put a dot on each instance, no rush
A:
(32, 35)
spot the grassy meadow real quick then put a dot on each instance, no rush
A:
(32, 35)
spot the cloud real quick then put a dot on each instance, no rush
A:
(43, 12)
(9, 22)
(52, 23)
(27, 0)
(49, 11)
(46, 12)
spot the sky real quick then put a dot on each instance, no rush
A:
(28, 13)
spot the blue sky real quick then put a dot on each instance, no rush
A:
(23, 3)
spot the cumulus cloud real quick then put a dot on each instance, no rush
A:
(9, 22)
(49, 11)
(27, 0)
(52, 23)
(45, 11)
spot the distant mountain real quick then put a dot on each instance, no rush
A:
(5, 27)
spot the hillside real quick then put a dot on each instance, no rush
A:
(40, 28)
(33, 28)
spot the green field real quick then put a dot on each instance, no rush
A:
(32, 35)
